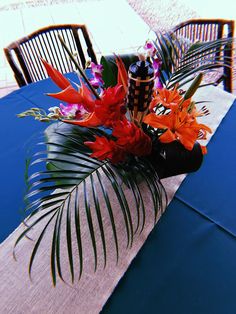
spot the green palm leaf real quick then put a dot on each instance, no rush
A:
(74, 192)
(181, 65)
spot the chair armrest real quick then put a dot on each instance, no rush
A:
(17, 72)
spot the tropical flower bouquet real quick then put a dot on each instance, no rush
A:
(142, 128)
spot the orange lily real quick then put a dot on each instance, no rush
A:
(178, 125)
(165, 97)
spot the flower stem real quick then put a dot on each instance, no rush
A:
(81, 71)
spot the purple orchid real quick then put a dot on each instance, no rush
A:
(156, 63)
(96, 68)
(150, 48)
(97, 80)
(157, 83)
(157, 66)
(71, 111)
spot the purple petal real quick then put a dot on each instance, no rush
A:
(96, 68)
(151, 50)
(96, 82)
(157, 83)
(156, 64)
(71, 110)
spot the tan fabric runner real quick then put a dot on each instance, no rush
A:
(19, 295)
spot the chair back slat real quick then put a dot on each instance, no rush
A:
(45, 44)
(77, 36)
(205, 30)
(19, 55)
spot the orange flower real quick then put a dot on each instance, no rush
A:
(178, 125)
(69, 94)
(106, 149)
(165, 97)
(104, 111)
(56, 76)
(122, 76)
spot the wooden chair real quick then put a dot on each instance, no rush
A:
(24, 54)
(207, 30)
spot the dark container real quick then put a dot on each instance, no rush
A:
(173, 158)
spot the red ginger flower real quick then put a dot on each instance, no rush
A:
(107, 110)
(106, 149)
(132, 139)
(110, 108)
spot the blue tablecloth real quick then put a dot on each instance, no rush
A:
(187, 266)
(18, 142)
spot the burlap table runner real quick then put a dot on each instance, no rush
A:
(88, 295)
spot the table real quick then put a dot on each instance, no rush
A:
(19, 137)
(188, 263)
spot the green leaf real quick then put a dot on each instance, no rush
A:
(99, 217)
(78, 232)
(110, 71)
(180, 65)
(68, 238)
(70, 190)
(110, 212)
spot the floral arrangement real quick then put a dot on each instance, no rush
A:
(121, 131)
(171, 116)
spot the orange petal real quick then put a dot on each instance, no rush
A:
(187, 136)
(167, 137)
(87, 96)
(159, 121)
(55, 75)
(69, 95)
(204, 127)
(91, 121)
(122, 77)
(204, 150)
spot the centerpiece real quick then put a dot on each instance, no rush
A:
(116, 138)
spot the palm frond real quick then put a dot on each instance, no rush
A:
(75, 191)
(181, 65)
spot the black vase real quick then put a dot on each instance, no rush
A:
(173, 158)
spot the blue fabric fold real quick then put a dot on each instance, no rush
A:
(212, 189)
(187, 265)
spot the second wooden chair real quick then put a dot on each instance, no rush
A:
(206, 30)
